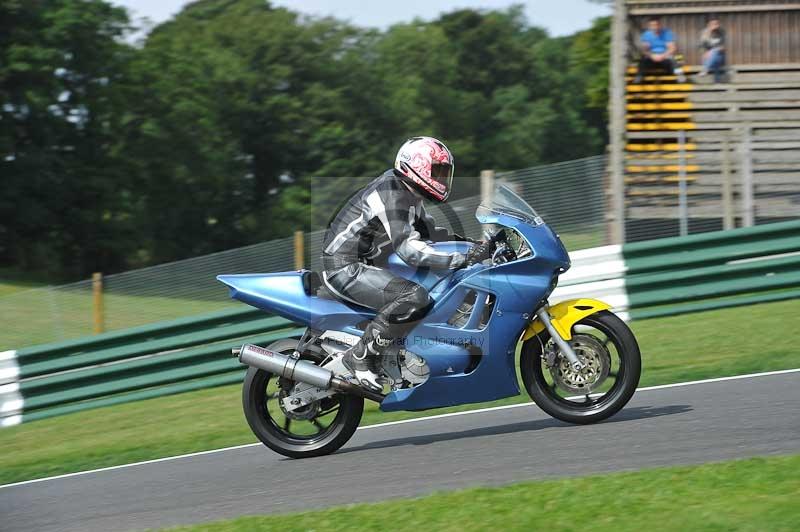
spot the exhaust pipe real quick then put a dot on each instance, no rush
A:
(299, 371)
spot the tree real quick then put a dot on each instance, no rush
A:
(238, 121)
(589, 60)
(64, 203)
(240, 99)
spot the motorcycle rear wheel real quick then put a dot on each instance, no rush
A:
(316, 430)
(601, 338)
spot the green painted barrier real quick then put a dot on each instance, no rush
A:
(122, 366)
(139, 395)
(128, 336)
(713, 270)
(139, 346)
(717, 247)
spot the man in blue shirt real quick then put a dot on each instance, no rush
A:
(658, 51)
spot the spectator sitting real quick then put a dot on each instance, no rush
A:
(658, 51)
(712, 42)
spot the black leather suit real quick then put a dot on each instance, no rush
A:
(387, 215)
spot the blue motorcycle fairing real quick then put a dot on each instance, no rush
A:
(518, 288)
(283, 294)
(425, 276)
(544, 243)
(447, 349)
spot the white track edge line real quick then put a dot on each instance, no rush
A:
(387, 424)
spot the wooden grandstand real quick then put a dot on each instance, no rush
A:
(702, 155)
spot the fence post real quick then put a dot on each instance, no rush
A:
(748, 207)
(487, 190)
(683, 202)
(616, 122)
(299, 250)
(487, 185)
(98, 313)
(728, 221)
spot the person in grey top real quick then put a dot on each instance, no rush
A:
(712, 42)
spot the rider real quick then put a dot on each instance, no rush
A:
(390, 211)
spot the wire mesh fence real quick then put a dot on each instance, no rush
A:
(42, 315)
(137, 297)
(571, 196)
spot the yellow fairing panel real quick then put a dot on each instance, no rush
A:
(566, 314)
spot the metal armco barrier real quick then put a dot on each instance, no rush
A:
(677, 275)
(713, 270)
(123, 366)
(643, 280)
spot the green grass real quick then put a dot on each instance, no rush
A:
(756, 494)
(12, 281)
(12, 287)
(588, 239)
(41, 316)
(680, 348)
(32, 312)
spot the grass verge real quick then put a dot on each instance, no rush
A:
(755, 494)
(680, 348)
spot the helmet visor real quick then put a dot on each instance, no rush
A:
(442, 172)
(442, 177)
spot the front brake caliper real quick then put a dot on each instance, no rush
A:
(550, 354)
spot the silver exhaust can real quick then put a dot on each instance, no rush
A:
(285, 366)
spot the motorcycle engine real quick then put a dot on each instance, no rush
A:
(404, 368)
(414, 367)
(463, 312)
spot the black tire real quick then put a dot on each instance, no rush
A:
(266, 427)
(593, 410)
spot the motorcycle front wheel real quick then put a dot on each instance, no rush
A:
(612, 366)
(314, 430)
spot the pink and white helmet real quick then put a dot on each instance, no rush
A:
(428, 165)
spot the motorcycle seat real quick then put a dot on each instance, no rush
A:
(314, 287)
(312, 282)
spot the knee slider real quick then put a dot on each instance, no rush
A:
(412, 302)
(418, 301)
(417, 296)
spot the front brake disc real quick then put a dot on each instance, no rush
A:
(597, 365)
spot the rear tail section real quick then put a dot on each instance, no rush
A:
(287, 295)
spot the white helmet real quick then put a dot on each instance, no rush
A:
(427, 164)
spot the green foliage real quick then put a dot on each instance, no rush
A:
(589, 63)
(63, 205)
(216, 130)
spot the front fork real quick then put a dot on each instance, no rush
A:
(544, 315)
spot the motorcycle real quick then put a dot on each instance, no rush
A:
(578, 361)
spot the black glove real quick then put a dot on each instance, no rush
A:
(455, 237)
(479, 252)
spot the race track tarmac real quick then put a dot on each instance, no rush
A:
(676, 425)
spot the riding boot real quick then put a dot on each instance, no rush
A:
(362, 359)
